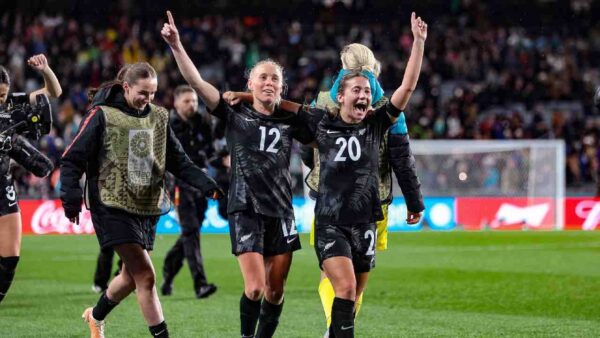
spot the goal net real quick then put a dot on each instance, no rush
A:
(514, 169)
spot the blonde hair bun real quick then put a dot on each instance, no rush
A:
(356, 56)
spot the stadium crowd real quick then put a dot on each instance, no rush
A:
(482, 78)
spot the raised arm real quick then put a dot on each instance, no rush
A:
(51, 85)
(207, 92)
(413, 67)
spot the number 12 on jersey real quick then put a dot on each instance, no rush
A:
(263, 136)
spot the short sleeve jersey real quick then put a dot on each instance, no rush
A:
(349, 161)
(260, 147)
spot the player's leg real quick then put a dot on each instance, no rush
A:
(119, 288)
(276, 270)
(382, 236)
(136, 261)
(10, 247)
(334, 253)
(326, 293)
(253, 271)
(246, 234)
(363, 244)
(281, 240)
(340, 272)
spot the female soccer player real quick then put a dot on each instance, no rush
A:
(19, 149)
(394, 151)
(124, 145)
(356, 56)
(261, 219)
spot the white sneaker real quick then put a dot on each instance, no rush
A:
(96, 326)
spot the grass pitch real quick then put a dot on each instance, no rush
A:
(428, 284)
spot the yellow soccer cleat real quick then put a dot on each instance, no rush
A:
(96, 326)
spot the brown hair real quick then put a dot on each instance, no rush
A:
(183, 89)
(346, 78)
(129, 73)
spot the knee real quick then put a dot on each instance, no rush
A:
(345, 289)
(145, 279)
(274, 295)
(254, 291)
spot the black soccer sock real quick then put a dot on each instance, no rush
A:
(8, 265)
(103, 307)
(159, 330)
(249, 312)
(342, 317)
(268, 319)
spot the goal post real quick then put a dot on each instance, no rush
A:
(488, 169)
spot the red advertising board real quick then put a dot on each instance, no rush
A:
(508, 213)
(582, 213)
(47, 217)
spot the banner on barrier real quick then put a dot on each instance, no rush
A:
(441, 213)
(509, 213)
(47, 217)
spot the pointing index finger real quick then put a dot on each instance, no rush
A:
(170, 16)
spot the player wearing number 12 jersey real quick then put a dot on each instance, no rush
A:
(261, 220)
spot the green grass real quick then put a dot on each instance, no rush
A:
(450, 284)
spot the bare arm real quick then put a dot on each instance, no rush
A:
(207, 92)
(234, 98)
(51, 85)
(413, 67)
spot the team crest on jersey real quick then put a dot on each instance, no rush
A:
(362, 131)
(140, 160)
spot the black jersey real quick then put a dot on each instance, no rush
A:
(349, 162)
(260, 148)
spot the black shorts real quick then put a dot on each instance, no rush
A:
(269, 236)
(355, 241)
(8, 200)
(115, 226)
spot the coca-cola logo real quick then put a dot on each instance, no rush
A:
(590, 212)
(48, 218)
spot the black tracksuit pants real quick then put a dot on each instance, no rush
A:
(191, 209)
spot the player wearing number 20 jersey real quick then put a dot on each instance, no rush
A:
(260, 147)
(348, 198)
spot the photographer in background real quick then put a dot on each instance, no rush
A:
(19, 149)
